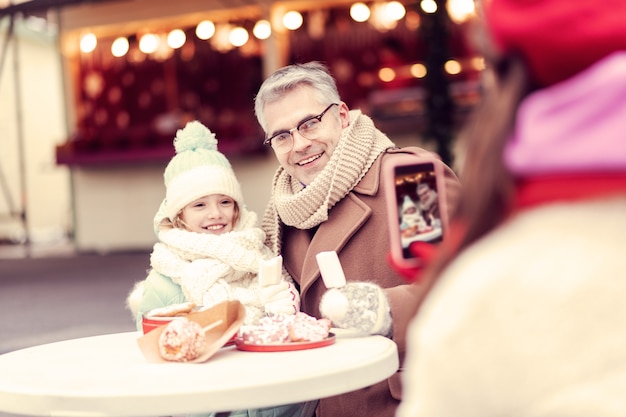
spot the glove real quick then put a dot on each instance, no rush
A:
(361, 307)
(422, 250)
(281, 298)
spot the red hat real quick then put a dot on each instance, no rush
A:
(557, 38)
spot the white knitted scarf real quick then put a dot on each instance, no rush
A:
(306, 207)
(213, 268)
(234, 255)
(241, 250)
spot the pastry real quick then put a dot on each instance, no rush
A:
(182, 340)
(172, 310)
(286, 328)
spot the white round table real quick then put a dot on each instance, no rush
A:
(108, 376)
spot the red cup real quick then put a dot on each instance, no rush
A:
(150, 323)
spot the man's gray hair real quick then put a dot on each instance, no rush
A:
(313, 74)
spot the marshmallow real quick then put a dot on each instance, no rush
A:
(331, 270)
(270, 271)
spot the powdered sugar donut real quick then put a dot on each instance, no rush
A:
(270, 330)
(285, 328)
(306, 328)
(182, 340)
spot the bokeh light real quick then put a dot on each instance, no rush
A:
(120, 47)
(359, 12)
(205, 30)
(88, 42)
(292, 20)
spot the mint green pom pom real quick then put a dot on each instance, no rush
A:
(194, 136)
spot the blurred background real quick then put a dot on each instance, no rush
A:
(92, 93)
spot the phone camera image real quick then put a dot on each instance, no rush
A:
(418, 205)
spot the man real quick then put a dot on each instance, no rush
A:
(428, 205)
(327, 195)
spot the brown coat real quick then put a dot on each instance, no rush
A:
(357, 229)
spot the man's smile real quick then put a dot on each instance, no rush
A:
(309, 160)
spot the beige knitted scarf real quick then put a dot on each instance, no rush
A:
(306, 207)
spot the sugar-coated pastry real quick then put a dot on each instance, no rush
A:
(285, 328)
(182, 340)
(172, 310)
(308, 329)
(270, 330)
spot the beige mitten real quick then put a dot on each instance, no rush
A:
(281, 298)
(358, 306)
(361, 307)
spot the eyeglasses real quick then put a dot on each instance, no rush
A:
(309, 128)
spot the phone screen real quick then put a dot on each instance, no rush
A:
(417, 200)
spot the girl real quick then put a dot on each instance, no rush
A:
(209, 248)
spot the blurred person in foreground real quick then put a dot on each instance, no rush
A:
(327, 195)
(526, 314)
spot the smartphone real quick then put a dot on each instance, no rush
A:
(416, 204)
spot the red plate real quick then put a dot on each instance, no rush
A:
(231, 341)
(282, 347)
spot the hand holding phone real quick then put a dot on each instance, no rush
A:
(416, 205)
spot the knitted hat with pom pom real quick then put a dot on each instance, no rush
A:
(197, 170)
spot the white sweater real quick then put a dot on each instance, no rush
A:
(528, 322)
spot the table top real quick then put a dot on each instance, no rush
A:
(108, 376)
